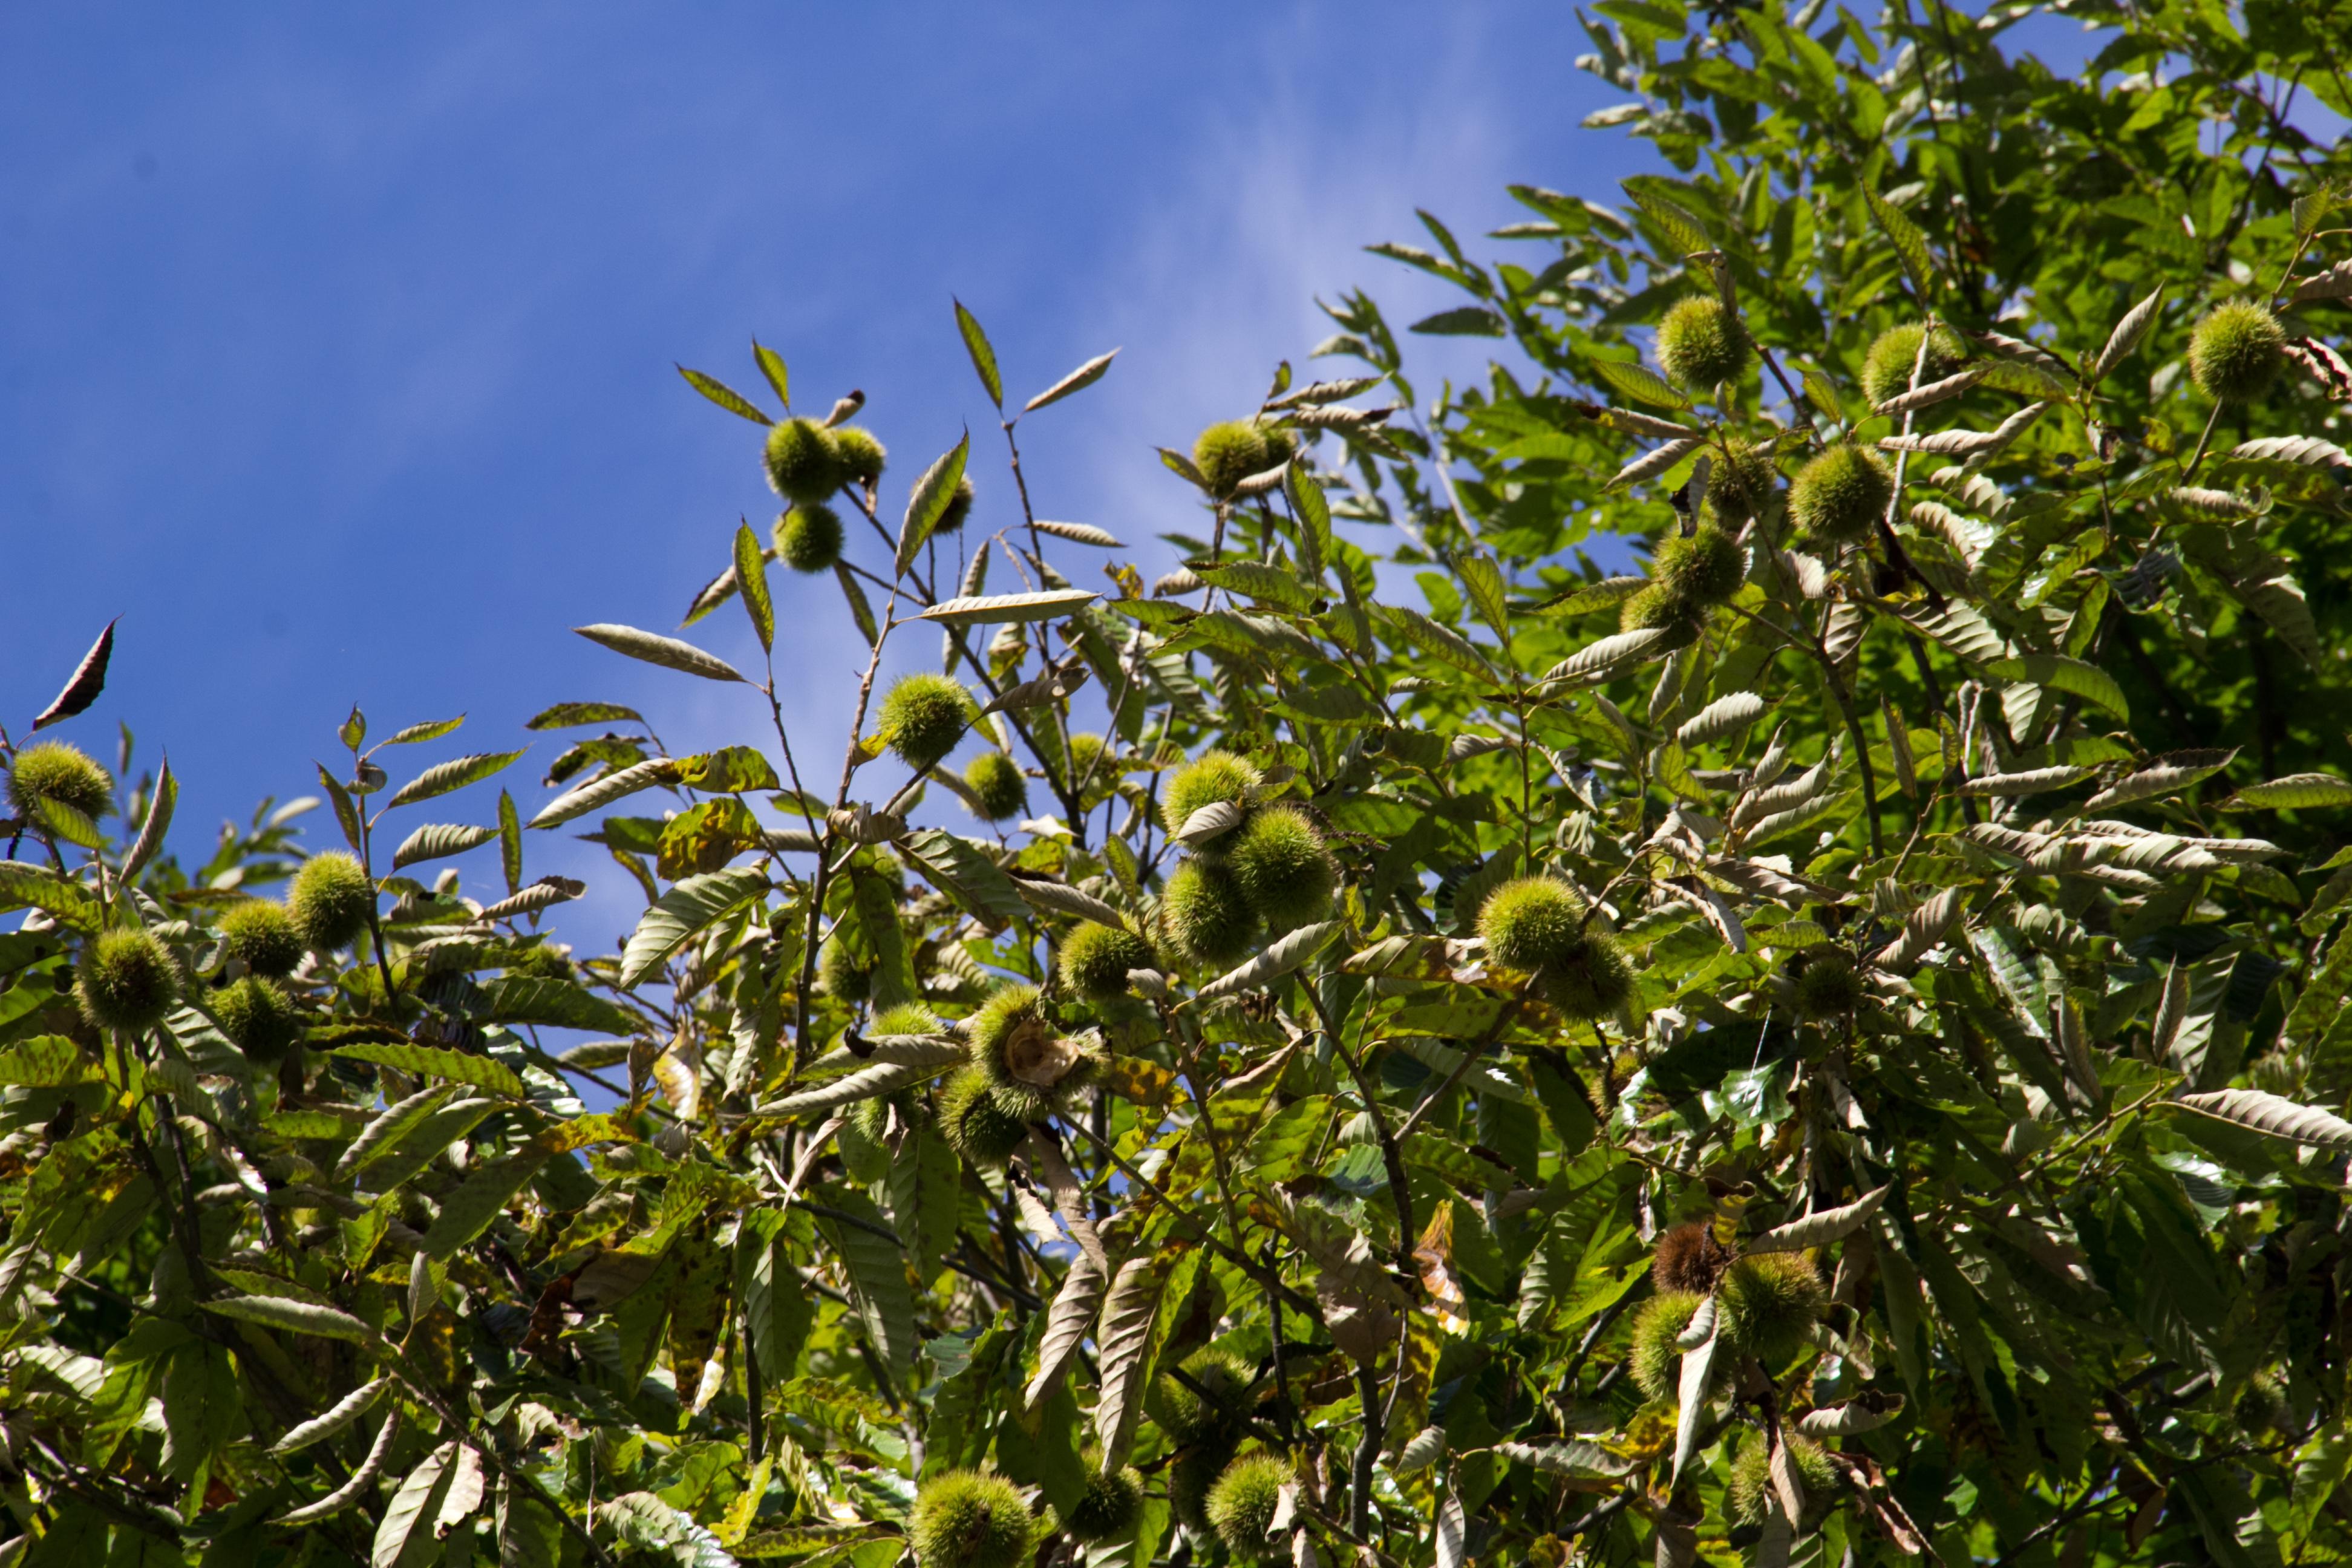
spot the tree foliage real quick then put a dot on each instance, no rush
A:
(1832, 1046)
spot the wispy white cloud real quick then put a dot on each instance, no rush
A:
(1220, 281)
(1220, 278)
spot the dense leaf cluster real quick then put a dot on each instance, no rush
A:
(1832, 1046)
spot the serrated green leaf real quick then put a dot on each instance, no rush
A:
(771, 366)
(724, 395)
(983, 356)
(509, 842)
(432, 730)
(683, 913)
(347, 816)
(469, 1211)
(1910, 244)
(875, 903)
(558, 1003)
(1584, 598)
(859, 610)
(929, 503)
(46, 1060)
(877, 1278)
(1429, 637)
(2296, 791)
(438, 1061)
(752, 582)
(1333, 704)
(66, 823)
(567, 715)
(439, 840)
(1484, 582)
(1463, 322)
(1312, 511)
(444, 778)
(2059, 673)
(301, 1317)
(922, 1184)
(1268, 584)
(730, 770)
(1641, 385)
(705, 837)
(776, 1303)
(24, 887)
(392, 1125)
(1442, 1156)
(2025, 379)
(615, 785)
(964, 870)
(1683, 226)
(1821, 392)
(203, 1407)
(2321, 1464)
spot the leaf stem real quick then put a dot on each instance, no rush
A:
(426, 1395)
(1206, 1231)
(1391, 1157)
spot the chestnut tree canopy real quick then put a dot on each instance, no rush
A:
(1388, 1045)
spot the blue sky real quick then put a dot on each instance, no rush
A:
(336, 353)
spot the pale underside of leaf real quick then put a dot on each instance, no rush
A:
(1285, 954)
(1130, 1308)
(1059, 897)
(883, 1077)
(362, 1483)
(1650, 464)
(1068, 1322)
(2274, 1114)
(1697, 1373)
(991, 609)
(1821, 1228)
(1078, 379)
(654, 648)
(1079, 533)
(1723, 717)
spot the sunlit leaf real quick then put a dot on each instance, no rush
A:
(667, 652)
(727, 397)
(2297, 791)
(439, 1061)
(1078, 379)
(683, 913)
(439, 840)
(1002, 608)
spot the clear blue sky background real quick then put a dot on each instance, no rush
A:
(336, 343)
(335, 353)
